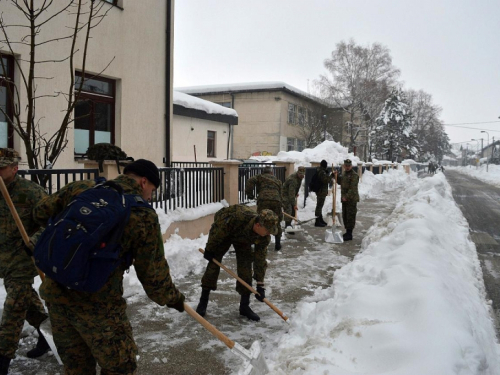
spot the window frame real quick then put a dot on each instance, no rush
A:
(92, 98)
(292, 113)
(293, 147)
(214, 140)
(10, 99)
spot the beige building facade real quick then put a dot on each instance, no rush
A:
(130, 102)
(271, 115)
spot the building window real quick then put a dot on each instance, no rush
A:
(290, 144)
(224, 104)
(300, 144)
(302, 116)
(292, 113)
(211, 144)
(94, 113)
(6, 104)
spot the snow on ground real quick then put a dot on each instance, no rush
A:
(411, 302)
(492, 176)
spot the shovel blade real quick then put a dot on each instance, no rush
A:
(255, 363)
(46, 329)
(333, 236)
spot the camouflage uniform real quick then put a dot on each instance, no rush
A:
(90, 327)
(16, 266)
(234, 226)
(291, 188)
(325, 179)
(269, 192)
(349, 190)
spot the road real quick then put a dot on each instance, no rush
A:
(480, 204)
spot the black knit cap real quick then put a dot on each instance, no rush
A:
(144, 168)
(323, 164)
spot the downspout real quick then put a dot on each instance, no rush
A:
(231, 135)
(228, 140)
(168, 97)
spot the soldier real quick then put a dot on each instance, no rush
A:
(324, 179)
(241, 227)
(16, 266)
(269, 197)
(291, 189)
(349, 197)
(93, 327)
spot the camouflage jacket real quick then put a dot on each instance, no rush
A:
(234, 224)
(325, 179)
(142, 237)
(291, 188)
(14, 262)
(268, 187)
(349, 186)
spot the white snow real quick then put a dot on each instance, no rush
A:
(193, 102)
(492, 176)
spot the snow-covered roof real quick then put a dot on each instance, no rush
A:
(189, 101)
(250, 86)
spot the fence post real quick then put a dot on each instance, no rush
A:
(230, 179)
(407, 168)
(360, 171)
(289, 167)
(109, 168)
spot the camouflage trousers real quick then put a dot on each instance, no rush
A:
(274, 206)
(244, 262)
(98, 333)
(320, 202)
(22, 303)
(289, 209)
(349, 211)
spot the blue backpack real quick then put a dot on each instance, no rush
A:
(80, 248)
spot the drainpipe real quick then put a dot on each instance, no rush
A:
(228, 140)
(231, 135)
(168, 97)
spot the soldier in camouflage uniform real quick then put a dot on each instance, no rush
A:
(291, 189)
(16, 266)
(349, 197)
(241, 227)
(269, 197)
(93, 327)
(324, 179)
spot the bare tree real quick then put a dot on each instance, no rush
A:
(43, 148)
(357, 81)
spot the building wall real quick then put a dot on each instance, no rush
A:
(184, 139)
(133, 40)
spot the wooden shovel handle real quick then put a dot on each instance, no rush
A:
(214, 331)
(19, 223)
(268, 303)
(290, 216)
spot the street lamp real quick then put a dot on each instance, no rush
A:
(488, 143)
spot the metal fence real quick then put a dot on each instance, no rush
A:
(246, 171)
(190, 164)
(58, 178)
(188, 187)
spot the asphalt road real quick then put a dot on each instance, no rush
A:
(480, 204)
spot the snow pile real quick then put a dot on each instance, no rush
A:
(412, 302)
(374, 184)
(491, 177)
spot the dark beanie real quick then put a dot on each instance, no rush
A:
(323, 164)
(144, 168)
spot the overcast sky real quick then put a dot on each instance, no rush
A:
(448, 48)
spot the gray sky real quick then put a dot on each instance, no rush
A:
(448, 48)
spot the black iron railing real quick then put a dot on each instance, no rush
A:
(189, 187)
(190, 164)
(55, 179)
(245, 171)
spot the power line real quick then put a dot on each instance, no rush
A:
(468, 127)
(472, 123)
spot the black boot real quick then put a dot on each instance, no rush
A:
(277, 245)
(324, 222)
(41, 347)
(347, 235)
(202, 306)
(4, 365)
(245, 309)
(319, 223)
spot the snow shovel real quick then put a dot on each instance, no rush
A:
(255, 363)
(334, 235)
(45, 327)
(268, 303)
(294, 229)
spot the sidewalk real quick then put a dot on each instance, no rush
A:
(305, 263)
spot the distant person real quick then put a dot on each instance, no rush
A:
(94, 327)
(249, 233)
(349, 197)
(17, 269)
(269, 190)
(291, 189)
(324, 179)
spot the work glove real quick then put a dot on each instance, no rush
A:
(179, 305)
(262, 292)
(208, 255)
